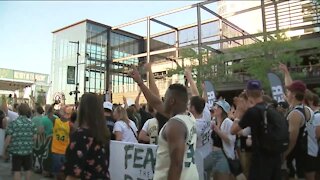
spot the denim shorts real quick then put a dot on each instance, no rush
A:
(57, 162)
(220, 162)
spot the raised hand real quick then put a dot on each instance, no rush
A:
(283, 68)
(203, 86)
(136, 75)
(188, 72)
(148, 66)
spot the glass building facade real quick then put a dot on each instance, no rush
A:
(98, 45)
(106, 53)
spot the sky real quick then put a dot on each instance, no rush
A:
(26, 26)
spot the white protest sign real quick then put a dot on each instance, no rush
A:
(130, 161)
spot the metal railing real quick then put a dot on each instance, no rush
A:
(292, 14)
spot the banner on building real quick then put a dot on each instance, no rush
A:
(210, 92)
(71, 75)
(276, 87)
(129, 161)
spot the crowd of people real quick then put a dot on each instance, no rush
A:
(253, 137)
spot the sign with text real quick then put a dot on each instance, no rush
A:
(130, 161)
(23, 75)
(71, 75)
(210, 93)
(276, 87)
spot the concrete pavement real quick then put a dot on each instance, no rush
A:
(5, 172)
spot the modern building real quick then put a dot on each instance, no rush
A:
(98, 45)
(106, 53)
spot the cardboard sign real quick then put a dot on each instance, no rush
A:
(130, 161)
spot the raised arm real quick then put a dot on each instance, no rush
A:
(137, 101)
(152, 83)
(152, 99)
(286, 73)
(125, 103)
(4, 105)
(204, 92)
(193, 86)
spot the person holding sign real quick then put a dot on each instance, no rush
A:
(198, 108)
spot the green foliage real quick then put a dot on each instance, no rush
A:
(271, 54)
(254, 60)
(41, 98)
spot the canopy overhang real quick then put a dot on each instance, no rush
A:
(13, 85)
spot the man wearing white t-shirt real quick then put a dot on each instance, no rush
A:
(149, 131)
(204, 141)
(12, 116)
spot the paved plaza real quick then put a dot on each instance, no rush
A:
(5, 172)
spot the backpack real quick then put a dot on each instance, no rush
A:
(274, 135)
(317, 112)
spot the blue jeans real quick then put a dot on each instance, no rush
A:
(57, 162)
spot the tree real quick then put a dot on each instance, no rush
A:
(248, 61)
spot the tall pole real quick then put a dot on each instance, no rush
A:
(148, 47)
(199, 75)
(77, 73)
(264, 24)
(108, 69)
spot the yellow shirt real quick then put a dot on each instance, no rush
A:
(60, 136)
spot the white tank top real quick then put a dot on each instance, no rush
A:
(189, 169)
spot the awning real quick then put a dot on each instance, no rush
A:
(10, 85)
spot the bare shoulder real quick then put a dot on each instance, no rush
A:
(174, 127)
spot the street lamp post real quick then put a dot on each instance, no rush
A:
(77, 84)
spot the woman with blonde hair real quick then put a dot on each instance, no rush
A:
(124, 129)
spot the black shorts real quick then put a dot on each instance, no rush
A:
(19, 161)
(311, 164)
